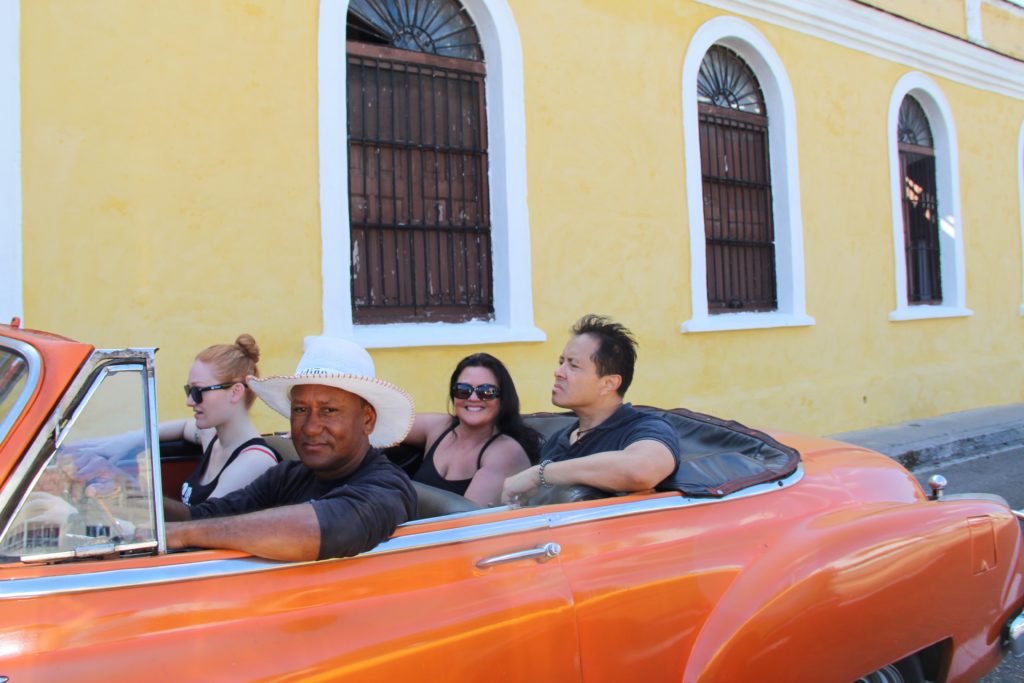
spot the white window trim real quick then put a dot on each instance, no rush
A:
(758, 53)
(1020, 193)
(11, 295)
(947, 181)
(510, 225)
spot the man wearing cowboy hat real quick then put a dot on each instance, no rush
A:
(342, 496)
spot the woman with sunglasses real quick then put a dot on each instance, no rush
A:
(234, 454)
(472, 451)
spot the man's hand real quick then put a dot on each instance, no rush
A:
(91, 475)
(520, 487)
(176, 535)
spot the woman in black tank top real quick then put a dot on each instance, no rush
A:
(472, 451)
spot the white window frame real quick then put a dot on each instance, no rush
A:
(510, 225)
(947, 182)
(742, 38)
(11, 301)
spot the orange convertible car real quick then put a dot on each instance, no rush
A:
(778, 558)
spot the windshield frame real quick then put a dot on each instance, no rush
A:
(34, 362)
(56, 426)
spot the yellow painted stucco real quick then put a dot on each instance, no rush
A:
(171, 198)
(944, 15)
(1003, 28)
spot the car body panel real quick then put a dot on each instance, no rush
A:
(60, 359)
(829, 573)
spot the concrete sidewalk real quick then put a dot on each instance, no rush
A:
(932, 441)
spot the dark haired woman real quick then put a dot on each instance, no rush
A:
(472, 451)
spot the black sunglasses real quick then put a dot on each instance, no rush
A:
(484, 392)
(196, 393)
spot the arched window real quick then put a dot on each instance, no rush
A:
(500, 200)
(736, 177)
(927, 227)
(920, 204)
(742, 182)
(418, 191)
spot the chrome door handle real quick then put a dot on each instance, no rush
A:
(540, 554)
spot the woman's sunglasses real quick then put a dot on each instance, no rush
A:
(484, 392)
(196, 393)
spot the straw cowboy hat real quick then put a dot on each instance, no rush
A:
(343, 364)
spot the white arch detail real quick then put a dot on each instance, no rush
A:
(758, 53)
(510, 224)
(947, 178)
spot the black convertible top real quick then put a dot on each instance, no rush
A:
(719, 456)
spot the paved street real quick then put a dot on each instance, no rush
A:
(1002, 473)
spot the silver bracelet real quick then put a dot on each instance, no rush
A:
(544, 482)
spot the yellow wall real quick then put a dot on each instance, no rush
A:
(1003, 28)
(171, 198)
(944, 15)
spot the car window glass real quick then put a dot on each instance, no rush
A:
(13, 378)
(95, 489)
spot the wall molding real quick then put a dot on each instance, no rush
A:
(877, 33)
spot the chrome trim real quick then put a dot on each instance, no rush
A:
(461, 534)
(12, 589)
(660, 504)
(1015, 635)
(156, 481)
(35, 368)
(98, 550)
(540, 554)
(544, 518)
(937, 483)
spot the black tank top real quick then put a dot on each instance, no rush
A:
(428, 474)
(193, 492)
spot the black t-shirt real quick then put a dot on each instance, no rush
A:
(625, 426)
(355, 512)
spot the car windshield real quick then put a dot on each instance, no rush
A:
(13, 380)
(94, 494)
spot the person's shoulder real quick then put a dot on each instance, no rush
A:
(433, 424)
(377, 465)
(504, 450)
(259, 449)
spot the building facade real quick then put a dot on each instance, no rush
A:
(810, 213)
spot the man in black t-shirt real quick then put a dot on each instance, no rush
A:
(343, 496)
(612, 446)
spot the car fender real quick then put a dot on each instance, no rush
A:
(846, 592)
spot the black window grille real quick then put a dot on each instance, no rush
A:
(737, 192)
(418, 188)
(919, 204)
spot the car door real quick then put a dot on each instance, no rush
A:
(86, 594)
(647, 571)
